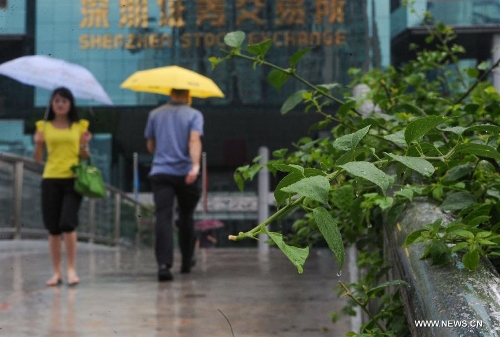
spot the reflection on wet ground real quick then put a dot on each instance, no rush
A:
(229, 289)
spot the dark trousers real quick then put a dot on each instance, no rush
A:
(165, 189)
(60, 205)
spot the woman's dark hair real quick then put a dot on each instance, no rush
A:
(66, 93)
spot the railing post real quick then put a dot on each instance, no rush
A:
(138, 226)
(135, 187)
(117, 218)
(18, 197)
(496, 57)
(263, 195)
(91, 217)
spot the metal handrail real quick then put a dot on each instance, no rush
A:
(110, 210)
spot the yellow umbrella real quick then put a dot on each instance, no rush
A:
(162, 80)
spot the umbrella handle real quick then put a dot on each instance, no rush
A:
(45, 116)
(204, 181)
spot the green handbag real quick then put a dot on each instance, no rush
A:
(88, 180)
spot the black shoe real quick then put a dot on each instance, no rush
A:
(186, 268)
(164, 275)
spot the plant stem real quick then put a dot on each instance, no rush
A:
(291, 73)
(363, 306)
(476, 83)
(258, 229)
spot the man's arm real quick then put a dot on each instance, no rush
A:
(151, 145)
(195, 148)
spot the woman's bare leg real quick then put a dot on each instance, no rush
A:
(70, 243)
(55, 254)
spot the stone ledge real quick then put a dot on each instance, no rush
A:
(449, 294)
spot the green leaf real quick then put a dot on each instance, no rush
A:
(492, 129)
(478, 150)
(343, 197)
(253, 170)
(369, 172)
(478, 220)
(483, 210)
(457, 201)
(240, 175)
(440, 252)
(406, 193)
(472, 72)
(215, 61)
(411, 108)
(458, 130)
(471, 260)
(292, 101)
(353, 154)
(280, 153)
(397, 138)
(483, 235)
(331, 233)
(296, 57)
(296, 173)
(384, 203)
(435, 226)
(289, 168)
(483, 65)
(327, 87)
(257, 159)
(277, 78)
(240, 182)
(345, 108)
(311, 172)
(260, 48)
(420, 165)
(463, 233)
(412, 237)
(384, 285)
(487, 242)
(458, 172)
(419, 127)
(234, 39)
(437, 192)
(459, 246)
(281, 196)
(316, 188)
(350, 141)
(296, 255)
(321, 125)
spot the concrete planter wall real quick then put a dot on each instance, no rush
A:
(456, 301)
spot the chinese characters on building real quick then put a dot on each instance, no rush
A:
(210, 14)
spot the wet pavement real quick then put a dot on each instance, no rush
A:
(230, 291)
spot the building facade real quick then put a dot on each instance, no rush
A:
(114, 38)
(475, 22)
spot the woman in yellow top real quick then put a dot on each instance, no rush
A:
(66, 137)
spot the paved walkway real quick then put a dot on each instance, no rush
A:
(119, 296)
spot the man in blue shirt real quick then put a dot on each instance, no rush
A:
(173, 134)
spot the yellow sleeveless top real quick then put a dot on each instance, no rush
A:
(63, 147)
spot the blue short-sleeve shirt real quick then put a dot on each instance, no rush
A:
(170, 126)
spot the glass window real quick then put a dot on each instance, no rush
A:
(395, 4)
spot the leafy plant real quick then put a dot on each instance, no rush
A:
(431, 132)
